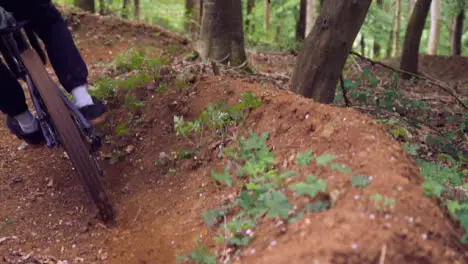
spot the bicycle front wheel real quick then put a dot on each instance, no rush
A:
(70, 137)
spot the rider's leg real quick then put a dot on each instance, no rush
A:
(64, 56)
(20, 120)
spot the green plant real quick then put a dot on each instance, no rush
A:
(132, 103)
(311, 187)
(383, 203)
(199, 254)
(360, 181)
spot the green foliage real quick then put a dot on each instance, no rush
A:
(277, 204)
(132, 103)
(304, 158)
(223, 177)
(311, 187)
(184, 128)
(325, 159)
(200, 255)
(360, 181)
(383, 203)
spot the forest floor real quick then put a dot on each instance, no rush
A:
(356, 196)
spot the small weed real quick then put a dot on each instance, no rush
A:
(200, 255)
(304, 158)
(162, 88)
(325, 159)
(383, 203)
(311, 187)
(360, 181)
(104, 88)
(132, 103)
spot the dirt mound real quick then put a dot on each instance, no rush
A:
(445, 68)
(353, 231)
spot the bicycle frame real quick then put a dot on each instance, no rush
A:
(12, 43)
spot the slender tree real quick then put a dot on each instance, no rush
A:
(434, 34)
(136, 9)
(125, 4)
(250, 8)
(222, 35)
(457, 30)
(102, 7)
(311, 15)
(87, 5)
(266, 18)
(410, 56)
(376, 48)
(301, 22)
(316, 74)
(396, 30)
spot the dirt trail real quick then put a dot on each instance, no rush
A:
(159, 207)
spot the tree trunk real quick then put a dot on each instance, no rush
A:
(396, 30)
(457, 32)
(390, 41)
(363, 45)
(315, 73)
(301, 22)
(376, 48)
(410, 56)
(250, 8)
(311, 16)
(189, 20)
(102, 7)
(136, 11)
(125, 4)
(411, 7)
(87, 5)
(222, 35)
(266, 19)
(434, 34)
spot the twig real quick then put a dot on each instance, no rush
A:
(357, 64)
(137, 215)
(432, 81)
(383, 252)
(345, 96)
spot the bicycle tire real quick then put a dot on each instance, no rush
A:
(70, 137)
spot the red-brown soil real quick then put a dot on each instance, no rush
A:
(159, 210)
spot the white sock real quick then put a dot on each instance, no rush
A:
(27, 122)
(81, 96)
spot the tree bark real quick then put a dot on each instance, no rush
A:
(189, 19)
(434, 34)
(376, 48)
(410, 56)
(396, 30)
(316, 74)
(136, 10)
(125, 4)
(250, 8)
(266, 19)
(311, 16)
(87, 5)
(102, 7)
(222, 35)
(363, 45)
(457, 32)
(301, 22)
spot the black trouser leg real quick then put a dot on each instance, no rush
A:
(12, 100)
(49, 25)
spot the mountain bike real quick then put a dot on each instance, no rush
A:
(61, 122)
